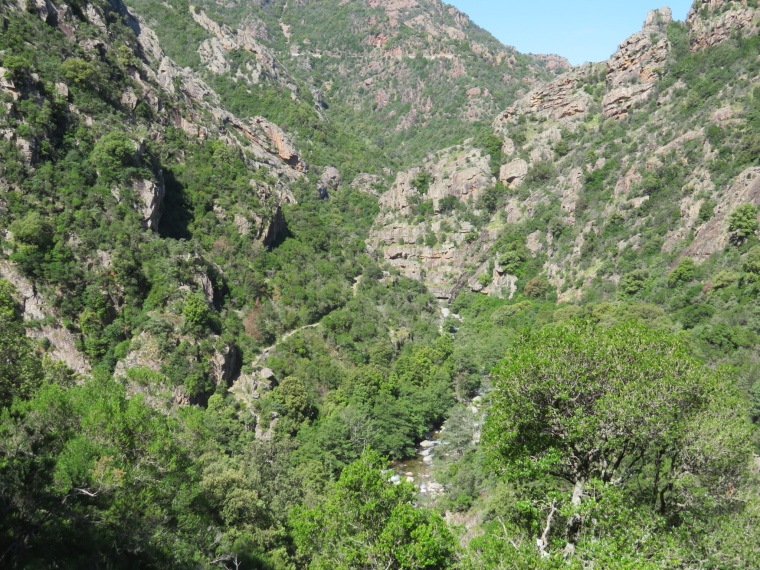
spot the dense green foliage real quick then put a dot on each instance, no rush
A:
(625, 409)
(368, 522)
(248, 364)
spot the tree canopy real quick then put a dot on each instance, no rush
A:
(624, 407)
(367, 522)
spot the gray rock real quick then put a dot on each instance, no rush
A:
(151, 194)
(514, 173)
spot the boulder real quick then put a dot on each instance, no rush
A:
(151, 194)
(514, 173)
(328, 182)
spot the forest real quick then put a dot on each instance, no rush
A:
(223, 340)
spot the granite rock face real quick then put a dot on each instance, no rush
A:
(711, 22)
(214, 51)
(558, 99)
(637, 64)
(514, 173)
(328, 182)
(713, 235)
(63, 344)
(407, 244)
(151, 194)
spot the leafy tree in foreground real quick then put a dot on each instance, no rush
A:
(368, 522)
(622, 412)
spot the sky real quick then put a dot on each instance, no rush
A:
(580, 30)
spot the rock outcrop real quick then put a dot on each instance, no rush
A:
(63, 345)
(459, 172)
(151, 194)
(713, 236)
(637, 65)
(514, 173)
(328, 182)
(558, 99)
(214, 51)
(712, 22)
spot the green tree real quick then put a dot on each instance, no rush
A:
(80, 72)
(743, 223)
(295, 398)
(536, 287)
(33, 237)
(112, 155)
(633, 282)
(624, 408)
(706, 211)
(684, 272)
(752, 264)
(20, 367)
(33, 229)
(367, 522)
(196, 312)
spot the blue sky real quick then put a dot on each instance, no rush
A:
(580, 30)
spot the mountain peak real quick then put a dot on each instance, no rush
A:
(658, 18)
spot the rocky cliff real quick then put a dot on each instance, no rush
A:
(600, 142)
(109, 96)
(390, 75)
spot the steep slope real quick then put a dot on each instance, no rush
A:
(106, 143)
(393, 79)
(601, 172)
(206, 236)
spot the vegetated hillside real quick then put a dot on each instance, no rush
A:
(393, 79)
(202, 333)
(614, 170)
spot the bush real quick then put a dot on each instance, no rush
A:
(79, 72)
(536, 287)
(634, 282)
(561, 148)
(752, 263)
(541, 171)
(448, 204)
(33, 229)
(422, 182)
(196, 312)
(706, 211)
(724, 278)
(684, 272)
(743, 223)
(693, 315)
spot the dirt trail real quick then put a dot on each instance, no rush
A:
(265, 352)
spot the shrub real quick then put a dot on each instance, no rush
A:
(706, 211)
(724, 278)
(752, 263)
(448, 204)
(541, 171)
(536, 287)
(743, 223)
(693, 315)
(33, 229)
(683, 272)
(78, 71)
(196, 312)
(634, 282)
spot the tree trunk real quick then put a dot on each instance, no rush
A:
(574, 522)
